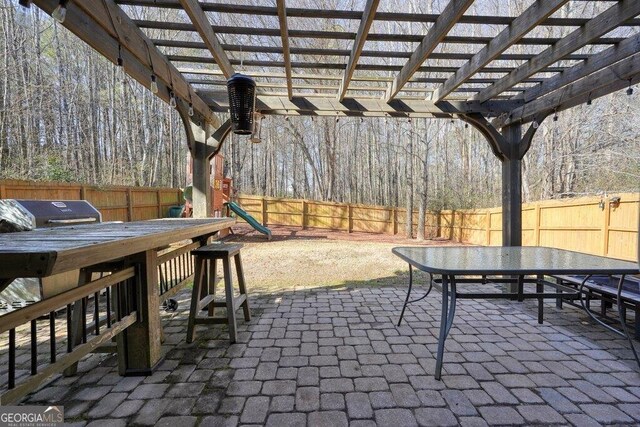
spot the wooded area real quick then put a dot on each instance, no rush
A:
(67, 114)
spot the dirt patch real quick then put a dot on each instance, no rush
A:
(301, 259)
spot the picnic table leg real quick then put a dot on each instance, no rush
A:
(139, 346)
(446, 319)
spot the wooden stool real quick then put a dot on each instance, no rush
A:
(204, 296)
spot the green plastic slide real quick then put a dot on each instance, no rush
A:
(251, 220)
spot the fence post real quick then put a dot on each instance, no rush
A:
(129, 205)
(350, 218)
(304, 214)
(537, 225)
(3, 191)
(83, 192)
(394, 222)
(487, 227)
(264, 211)
(605, 229)
(159, 199)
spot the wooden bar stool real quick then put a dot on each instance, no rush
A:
(204, 288)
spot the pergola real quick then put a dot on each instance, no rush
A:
(554, 74)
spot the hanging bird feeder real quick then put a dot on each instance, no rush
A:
(242, 95)
(257, 128)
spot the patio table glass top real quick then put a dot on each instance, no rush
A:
(515, 260)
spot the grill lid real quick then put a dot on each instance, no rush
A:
(21, 215)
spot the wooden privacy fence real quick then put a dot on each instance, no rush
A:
(583, 225)
(115, 203)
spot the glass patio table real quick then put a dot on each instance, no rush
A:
(512, 265)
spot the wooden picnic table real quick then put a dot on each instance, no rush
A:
(49, 251)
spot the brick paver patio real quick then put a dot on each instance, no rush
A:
(333, 356)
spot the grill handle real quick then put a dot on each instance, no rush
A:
(71, 221)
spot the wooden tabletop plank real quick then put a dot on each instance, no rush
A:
(43, 252)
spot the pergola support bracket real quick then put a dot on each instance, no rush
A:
(204, 142)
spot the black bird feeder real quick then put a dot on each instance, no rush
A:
(242, 96)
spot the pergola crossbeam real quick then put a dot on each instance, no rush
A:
(243, 9)
(345, 52)
(347, 35)
(219, 101)
(534, 15)
(450, 15)
(361, 37)
(203, 26)
(617, 76)
(596, 62)
(338, 66)
(596, 27)
(284, 36)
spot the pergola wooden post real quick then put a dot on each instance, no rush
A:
(204, 142)
(512, 187)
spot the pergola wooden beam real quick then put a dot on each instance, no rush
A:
(219, 101)
(284, 36)
(361, 37)
(617, 76)
(203, 26)
(338, 66)
(596, 27)
(347, 35)
(450, 15)
(243, 9)
(596, 62)
(531, 17)
(104, 27)
(271, 75)
(345, 52)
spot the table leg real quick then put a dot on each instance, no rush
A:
(446, 320)
(539, 290)
(406, 301)
(623, 322)
(520, 288)
(139, 346)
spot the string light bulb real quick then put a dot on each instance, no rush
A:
(119, 61)
(190, 109)
(60, 12)
(535, 124)
(555, 115)
(172, 100)
(589, 101)
(629, 89)
(154, 84)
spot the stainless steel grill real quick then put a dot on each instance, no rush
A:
(25, 215)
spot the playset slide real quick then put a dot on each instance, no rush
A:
(251, 220)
